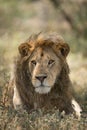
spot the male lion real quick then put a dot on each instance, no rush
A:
(41, 75)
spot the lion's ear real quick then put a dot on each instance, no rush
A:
(64, 48)
(24, 49)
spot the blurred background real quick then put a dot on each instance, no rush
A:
(20, 18)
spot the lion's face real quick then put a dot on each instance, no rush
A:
(44, 67)
(45, 53)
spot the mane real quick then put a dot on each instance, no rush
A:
(26, 89)
(23, 82)
(44, 39)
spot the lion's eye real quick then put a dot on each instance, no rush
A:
(33, 62)
(50, 62)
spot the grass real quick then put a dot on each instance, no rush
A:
(11, 120)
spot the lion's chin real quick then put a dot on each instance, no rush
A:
(42, 90)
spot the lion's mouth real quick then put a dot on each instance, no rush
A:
(42, 85)
(42, 89)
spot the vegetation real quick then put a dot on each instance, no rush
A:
(13, 120)
(18, 20)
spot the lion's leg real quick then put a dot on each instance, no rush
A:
(16, 99)
(76, 108)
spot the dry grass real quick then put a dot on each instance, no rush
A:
(11, 120)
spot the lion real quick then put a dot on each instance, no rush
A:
(41, 75)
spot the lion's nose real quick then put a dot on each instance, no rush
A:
(41, 78)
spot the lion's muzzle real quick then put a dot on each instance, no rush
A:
(41, 84)
(41, 78)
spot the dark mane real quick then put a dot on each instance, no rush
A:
(60, 95)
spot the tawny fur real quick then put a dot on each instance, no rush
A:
(60, 95)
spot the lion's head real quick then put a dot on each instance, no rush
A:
(45, 55)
